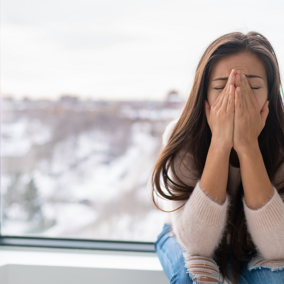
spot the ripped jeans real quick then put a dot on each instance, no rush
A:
(204, 270)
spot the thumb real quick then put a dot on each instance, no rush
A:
(264, 111)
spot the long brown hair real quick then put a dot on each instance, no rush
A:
(192, 134)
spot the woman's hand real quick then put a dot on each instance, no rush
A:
(249, 118)
(220, 115)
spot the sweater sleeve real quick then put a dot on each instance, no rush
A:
(198, 225)
(266, 224)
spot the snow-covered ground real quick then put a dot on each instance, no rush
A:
(18, 137)
(151, 114)
(86, 192)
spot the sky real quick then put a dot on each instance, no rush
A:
(120, 50)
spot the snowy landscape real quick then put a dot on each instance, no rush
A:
(81, 169)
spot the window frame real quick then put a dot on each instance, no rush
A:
(82, 244)
(73, 243)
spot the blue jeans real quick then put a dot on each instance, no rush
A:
(170, 253)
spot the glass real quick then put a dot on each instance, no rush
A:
(88, 88)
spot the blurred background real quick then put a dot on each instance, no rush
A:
(87, 89)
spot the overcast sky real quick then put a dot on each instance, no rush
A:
(122, 50)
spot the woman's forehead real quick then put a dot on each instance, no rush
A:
(247, 62)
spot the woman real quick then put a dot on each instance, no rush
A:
(222, 169)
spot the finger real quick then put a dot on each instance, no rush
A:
(238, 79)
(225, 101)
(231, 102)
(219, 100)
(239, 84)
(250, 95)
(232, 77)
(238, 103)
(243, 93)
(231, 80)
(226, 92)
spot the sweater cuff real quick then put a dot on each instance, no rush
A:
(205, 208)
(268, 216)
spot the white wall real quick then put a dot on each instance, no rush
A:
(23, 265)
(32, 274)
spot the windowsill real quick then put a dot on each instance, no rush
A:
(20, 265)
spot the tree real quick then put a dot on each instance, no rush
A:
(12, 194)
(32, 202)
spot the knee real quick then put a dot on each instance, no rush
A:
(258, 262)
(201, 269)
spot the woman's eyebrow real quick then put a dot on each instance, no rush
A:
(248, 76)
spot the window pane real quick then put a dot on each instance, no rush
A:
(79, 168)
(88, 88)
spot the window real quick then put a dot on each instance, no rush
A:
(88, 88)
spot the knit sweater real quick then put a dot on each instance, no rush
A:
(198, 226)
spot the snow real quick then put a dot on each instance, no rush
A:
(80, 170)
(98, 182)
(68, 217)
(17, 138)
(151, 114)
(14, 228)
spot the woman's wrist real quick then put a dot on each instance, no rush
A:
(221, 146)
(250, 150)
(215, 174)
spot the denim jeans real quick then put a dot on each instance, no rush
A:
(171, 256)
